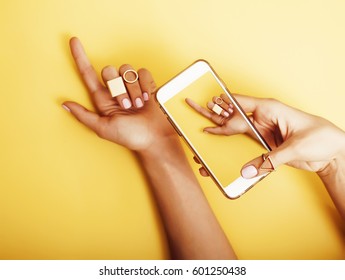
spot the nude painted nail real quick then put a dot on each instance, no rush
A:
(146, 96)
(66, 108)
(139, 103)
(226, 114)
(230, 110)
(249, 172)
(126, 103)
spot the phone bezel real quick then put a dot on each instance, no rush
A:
(175, 85)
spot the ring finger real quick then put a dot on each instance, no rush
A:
(130, 78)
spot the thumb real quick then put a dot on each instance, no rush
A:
(267, 162)
(86, 117)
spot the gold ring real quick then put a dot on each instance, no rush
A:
(130, 81)
(116, 86)
(264, 166)
(219, 100)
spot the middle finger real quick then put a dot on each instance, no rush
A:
(130, 78)
(223, 103)
(109, 73)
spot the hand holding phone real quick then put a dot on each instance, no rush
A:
(221, 156)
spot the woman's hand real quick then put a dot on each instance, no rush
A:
(134, 121)
(297, 139)
(130, 119)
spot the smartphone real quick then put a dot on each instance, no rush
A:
(222, 156)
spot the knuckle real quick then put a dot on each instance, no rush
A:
(143, 71)
(147, 79)
(153, 85)
(107, 69)
(272, 101)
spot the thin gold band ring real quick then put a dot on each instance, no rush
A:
(130, 81)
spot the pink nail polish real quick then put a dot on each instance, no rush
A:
(139, 103)
(126, 103)
(249, 172)
(146, 96)
(226, 114)
(230, 110)
(66, 108)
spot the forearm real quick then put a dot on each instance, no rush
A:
(192, 229)
(333, 177)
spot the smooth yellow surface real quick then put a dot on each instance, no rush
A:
(66, 194)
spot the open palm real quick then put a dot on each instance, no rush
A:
(131, 119)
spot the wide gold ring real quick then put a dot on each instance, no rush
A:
(116, 86)
(130, 81)
(217, 109)
(219, 100)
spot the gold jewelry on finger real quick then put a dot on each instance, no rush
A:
(267, 164)
(217, 109)
(219, 100)
(116, 86)
(130, 71)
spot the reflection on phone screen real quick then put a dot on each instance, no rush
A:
(223, 155)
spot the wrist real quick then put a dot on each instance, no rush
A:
(167, 159)
(333, 174)
(162, 147)
(333, 177)
(336, 166)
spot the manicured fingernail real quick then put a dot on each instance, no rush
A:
(139, 103)
(205, 131)
(226, 114)
(126, 103)
(66, 108)
(146, 96)
(230, 110)
(249, 172)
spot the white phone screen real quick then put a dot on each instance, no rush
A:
(223, 155)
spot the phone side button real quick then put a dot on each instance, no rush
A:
(174, 126)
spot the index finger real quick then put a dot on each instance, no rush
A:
(217, 119)
(203, 111)
(85, 68)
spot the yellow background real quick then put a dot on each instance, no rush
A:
(66, 194)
